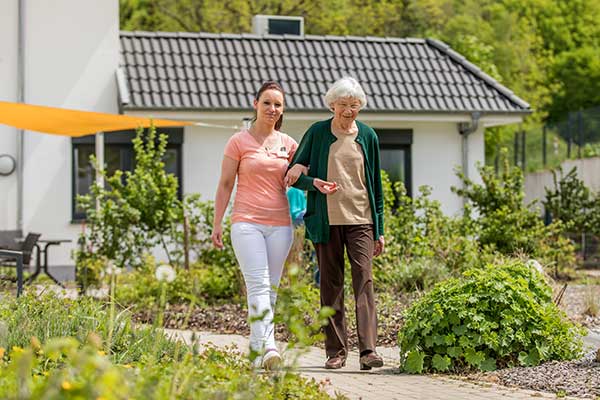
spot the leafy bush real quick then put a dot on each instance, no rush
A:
(138, 209)
(201, 283)
(503, 223)
(423, 245)
(498, 316)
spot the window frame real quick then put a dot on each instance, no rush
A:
(122, 140)
(399, 139)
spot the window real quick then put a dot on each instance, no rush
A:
(118, 154)
(395, 155)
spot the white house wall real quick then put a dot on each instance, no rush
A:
(71, 54)
(8, 92)
(436, 151)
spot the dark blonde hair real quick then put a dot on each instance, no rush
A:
(270, 85)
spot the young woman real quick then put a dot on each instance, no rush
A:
(261, 231)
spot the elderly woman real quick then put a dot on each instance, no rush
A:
(344, 210)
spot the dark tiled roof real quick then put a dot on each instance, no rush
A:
(208, 71)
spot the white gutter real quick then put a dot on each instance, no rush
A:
(20, 99)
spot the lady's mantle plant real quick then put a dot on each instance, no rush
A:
(490, 318)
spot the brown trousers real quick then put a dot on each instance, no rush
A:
(358, 240)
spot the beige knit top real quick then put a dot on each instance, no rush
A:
(346, 166)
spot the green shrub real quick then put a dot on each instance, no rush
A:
(207, 284)
(498, 316)
(503, 223)
(420, 238)
(138, 210)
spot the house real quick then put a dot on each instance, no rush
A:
(428, 104)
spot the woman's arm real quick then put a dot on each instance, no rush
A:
(294, 173)
(229, 168)
(378, 196)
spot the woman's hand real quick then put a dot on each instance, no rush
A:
(294, 173)
(217, 236)
(325, 187)
(379, 246)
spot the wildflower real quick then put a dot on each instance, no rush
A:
(2, 351)
(35, 343)
(17, 349)
(165, 273)
(101, 353)
(127, 366)
(112, 269)
(66, 385)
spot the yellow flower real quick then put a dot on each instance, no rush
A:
(101, 352)
(45, 373)
(66, 385)
(127, 366)
(2, 350)
(17, 349)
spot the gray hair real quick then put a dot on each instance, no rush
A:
(345, 87)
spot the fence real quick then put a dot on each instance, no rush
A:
(577, 136)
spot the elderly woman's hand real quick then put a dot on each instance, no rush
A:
(325, 187)
(379, 246)
(294, 173)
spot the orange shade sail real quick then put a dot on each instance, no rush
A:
(60, 121)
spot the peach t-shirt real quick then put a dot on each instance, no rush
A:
(260, 197)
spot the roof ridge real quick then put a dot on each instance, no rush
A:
(247, 35)
(446, 49)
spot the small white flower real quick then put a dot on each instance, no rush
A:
(535, 264)
(165, 273)
(112, 269)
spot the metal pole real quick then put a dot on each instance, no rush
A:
(544, 146)
(19, 258)
(20, 99)
(497, 158)
(99, 150)
(516, 148)
(579, 133)
(569, 136)
(523, 150)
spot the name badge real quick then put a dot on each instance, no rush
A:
(282, 152)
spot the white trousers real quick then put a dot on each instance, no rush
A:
(261, 251)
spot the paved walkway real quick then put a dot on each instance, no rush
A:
(379, 384)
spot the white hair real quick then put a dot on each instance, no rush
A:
(345, 87)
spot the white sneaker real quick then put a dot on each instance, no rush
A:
(271, 360)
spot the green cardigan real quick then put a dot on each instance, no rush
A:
(314, 153)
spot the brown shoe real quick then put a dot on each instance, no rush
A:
(371, 360)
(335, 362)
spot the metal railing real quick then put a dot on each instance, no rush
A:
(18, 257)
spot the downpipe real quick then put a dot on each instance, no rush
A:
(20, 99)
(465, 129)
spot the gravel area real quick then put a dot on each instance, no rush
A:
(573, 378)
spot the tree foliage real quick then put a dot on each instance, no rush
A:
(544, 50)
